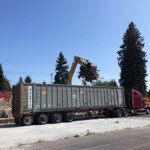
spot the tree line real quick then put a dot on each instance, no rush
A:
(131, 60)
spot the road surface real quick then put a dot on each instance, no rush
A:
(128, 139)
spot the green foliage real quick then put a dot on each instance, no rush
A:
(20, 80)
(61, 75)
(111, 83)
(27, 79)
(4, 83)
(148, 93)
(1, 78)
(132, 60)
(7, 86)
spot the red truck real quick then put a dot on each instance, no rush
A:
(135, 102)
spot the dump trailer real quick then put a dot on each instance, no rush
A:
(42, 103)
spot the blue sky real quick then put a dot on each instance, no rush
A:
(33, 32)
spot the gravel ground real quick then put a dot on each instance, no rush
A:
(12, 135)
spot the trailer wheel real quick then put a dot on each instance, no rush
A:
(56, 118)
(147, 111)
(27, 120)
(42, 119)
(125, 113)
(119, 113)
(69, 117)
(132, 112)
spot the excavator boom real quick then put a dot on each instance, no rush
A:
(87, 75)
(77, 60)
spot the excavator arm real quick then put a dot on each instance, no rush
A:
(89, 71)
(77, 60)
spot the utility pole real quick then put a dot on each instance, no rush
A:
(51, 78)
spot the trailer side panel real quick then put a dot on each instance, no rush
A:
(49, 98)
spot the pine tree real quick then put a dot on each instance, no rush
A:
(7, 86)
(113, 83)
(132, 60)
(148, 93)
(28, 79)
(1, 78)
(4, 82)
(61, 75)
(20, 80)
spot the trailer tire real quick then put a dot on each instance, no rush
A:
(56, 118)
(147, 111)
(27, 120)
(69, 117)
(132, 112)
(125, 113)
(119, 113)
(42, 119)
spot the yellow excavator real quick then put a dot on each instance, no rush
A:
(88, 71)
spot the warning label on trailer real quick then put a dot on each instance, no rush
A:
(44, 92)
(29, 97)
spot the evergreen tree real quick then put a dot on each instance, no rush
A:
(113, 83)
(4, 83)
(20, 80)
(148, 93)
(28, 79)
(7, 86)
(132, 60)
(1, 78)
(61, 75)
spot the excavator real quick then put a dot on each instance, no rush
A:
(88, 71)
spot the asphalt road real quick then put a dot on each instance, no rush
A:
(129, 139)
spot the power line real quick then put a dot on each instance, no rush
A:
(22, 72)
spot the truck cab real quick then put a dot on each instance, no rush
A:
(136, 104)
